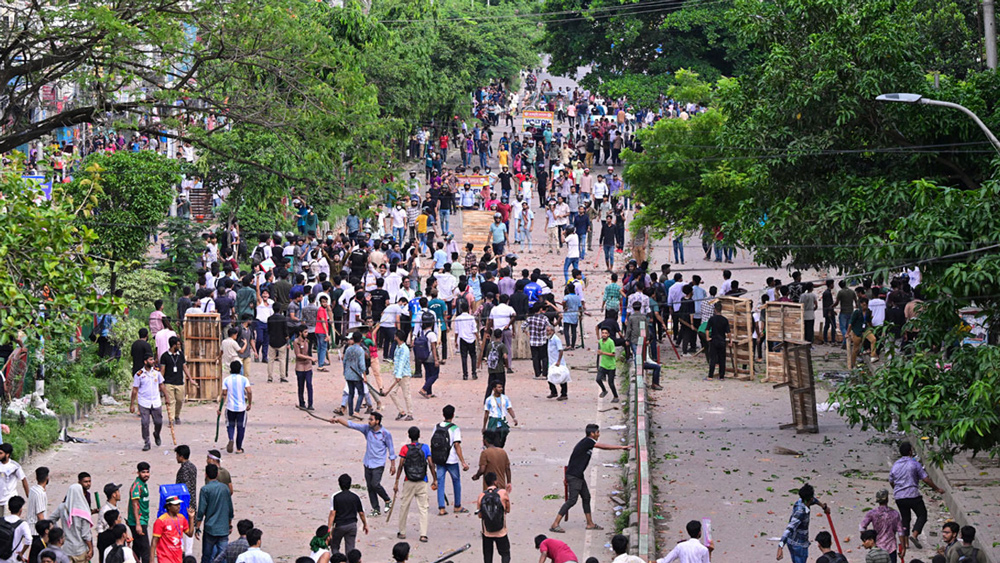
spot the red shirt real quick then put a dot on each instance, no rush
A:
(321, 319)
(444, 141)
(170, 529)
(557, 550)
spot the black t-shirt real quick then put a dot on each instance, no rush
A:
(37, 546)
(380, 298)
(358, 259)
(139, 350)
(611, 325)
(173, 368)
(277, 330)
(580, 458)
(446, 200)
(224, 306)
(347, 505)
(505, 180)
(104, 540)
(831, 557)
(489, 287)
(519, 301)
(718, 328)
(519, 284)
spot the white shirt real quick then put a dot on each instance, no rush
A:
(626, 558)
(690, 551)
(877, 307)
(390, 315)
(446, 286)
(148, 383)
(265, 310)
(464, 326)
(22, 538)
(600, 189)
(38, 501)
(126, 551)
(236, 392)
(675, 294)
(254, 555)
(11, 475)
(398, 218)
(573, 246)
(392, 282)
(354, 315)
(497, 406)
(726, 286)
(502, 315)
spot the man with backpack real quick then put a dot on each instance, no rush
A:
(497, 358)
(966, 553)
(446, 453)
(827, 555)
(416, 462)
(492, 507)
(15, 533)
(118, 552)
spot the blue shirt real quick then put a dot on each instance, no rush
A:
(475, 282)
(353, 223)
(571, 314)
(354, 363)
(378, 443)
(797, 532)
(533, 291)
(699, 296)
(401, 362)
(440, 257)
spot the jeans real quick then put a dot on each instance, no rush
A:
(540, 360)
(829, 324)
(809, 326)
(397, 233)
(346, 532)
(454, 470)
(467, 349)
(236, 422)
(321, 347)
(482, 160)
(729, 252)
(388, 337)
(445, 214)
(355, 386)
(678, 250)
(569, 334)
(262, 338)
(575, 262)
(431, 373)
(609, 255)
(798, 554)
(211, 546)
(525, 237)
(373, 481)
(655, 369)
(583, 246)
(503, 548)
(718, 252)
(305, 380)
(845, 321)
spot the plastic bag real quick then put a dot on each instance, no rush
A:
(559, 374)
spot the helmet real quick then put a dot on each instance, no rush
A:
(497, 216)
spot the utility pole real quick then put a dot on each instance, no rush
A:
(990, 30)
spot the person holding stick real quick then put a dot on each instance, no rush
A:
(378, 446)
(576, 483)
(796, 535)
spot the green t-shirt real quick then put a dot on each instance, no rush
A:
(140, 492)
(607, 362)
(440, 309)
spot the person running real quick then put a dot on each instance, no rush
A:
(575, 481)
(167, 531)
(904, 478)
(446, 452)
(416, 464)
(378, 446)
(606, 364)
(237, 397)
(887, 524)
(147, 388)
(796, 534)
(492, 506)
(345, 509)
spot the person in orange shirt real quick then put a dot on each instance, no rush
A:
(167, 530)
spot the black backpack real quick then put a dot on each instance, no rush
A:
(7, 530)
(415, 464)
(492, 511)
(972, 557)
(441, 444)
(116, 555)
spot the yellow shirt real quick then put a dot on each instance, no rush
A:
(503, 156)
(422, 223)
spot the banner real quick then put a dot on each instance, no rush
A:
(474, 181)
(536, 119)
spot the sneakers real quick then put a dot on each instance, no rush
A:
(145, 447)
(388, 505)
(562, 398)
(615, 400)
(603, 394)
(375, 513)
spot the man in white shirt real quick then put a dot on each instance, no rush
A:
(465, 338)
(254, 554)
(393, 281)
(237, 396)
(388, 324)
(877, 307)
(22, 533)
(10, 475)
(147, 387)
(600, 190)
(572, 253)
(447, 284)
(502, 317)
(120, 534)
(692, 550)
(38, 500)
(674, 296)
(619, 544)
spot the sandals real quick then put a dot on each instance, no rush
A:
(423, 539)
(461, 510)
(595, 527)
(400, 536)
(557, 530)
(442, 512)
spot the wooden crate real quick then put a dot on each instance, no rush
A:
(801, 387)
(782, 324)
(476, 228)
(519, 340)
(202, 341)
(739, 312)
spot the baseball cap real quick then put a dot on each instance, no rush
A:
(110, 489)
(172, 500)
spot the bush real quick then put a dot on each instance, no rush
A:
(35, 433)
(141, 286)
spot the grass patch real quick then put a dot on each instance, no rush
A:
(34, 433)
(621, 521)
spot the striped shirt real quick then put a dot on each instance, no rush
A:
(236, 392)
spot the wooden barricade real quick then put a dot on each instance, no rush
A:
(782, 324)
(801, 386)
(476, 228)
(202, 341)
(521, 351)
(739, 312)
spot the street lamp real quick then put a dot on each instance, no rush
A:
(918, 99)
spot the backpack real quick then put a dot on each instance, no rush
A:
(962, 558)
(421, 347)
(7, 530)
(441, 444)
(258, 255)
(493, 356)
(414, 464)
(116, 555)
(492, 511)
(428, 317)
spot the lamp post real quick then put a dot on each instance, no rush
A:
(918, 99)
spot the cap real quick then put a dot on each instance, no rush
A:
(172, 500)
(882, 495)
(110, 489)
